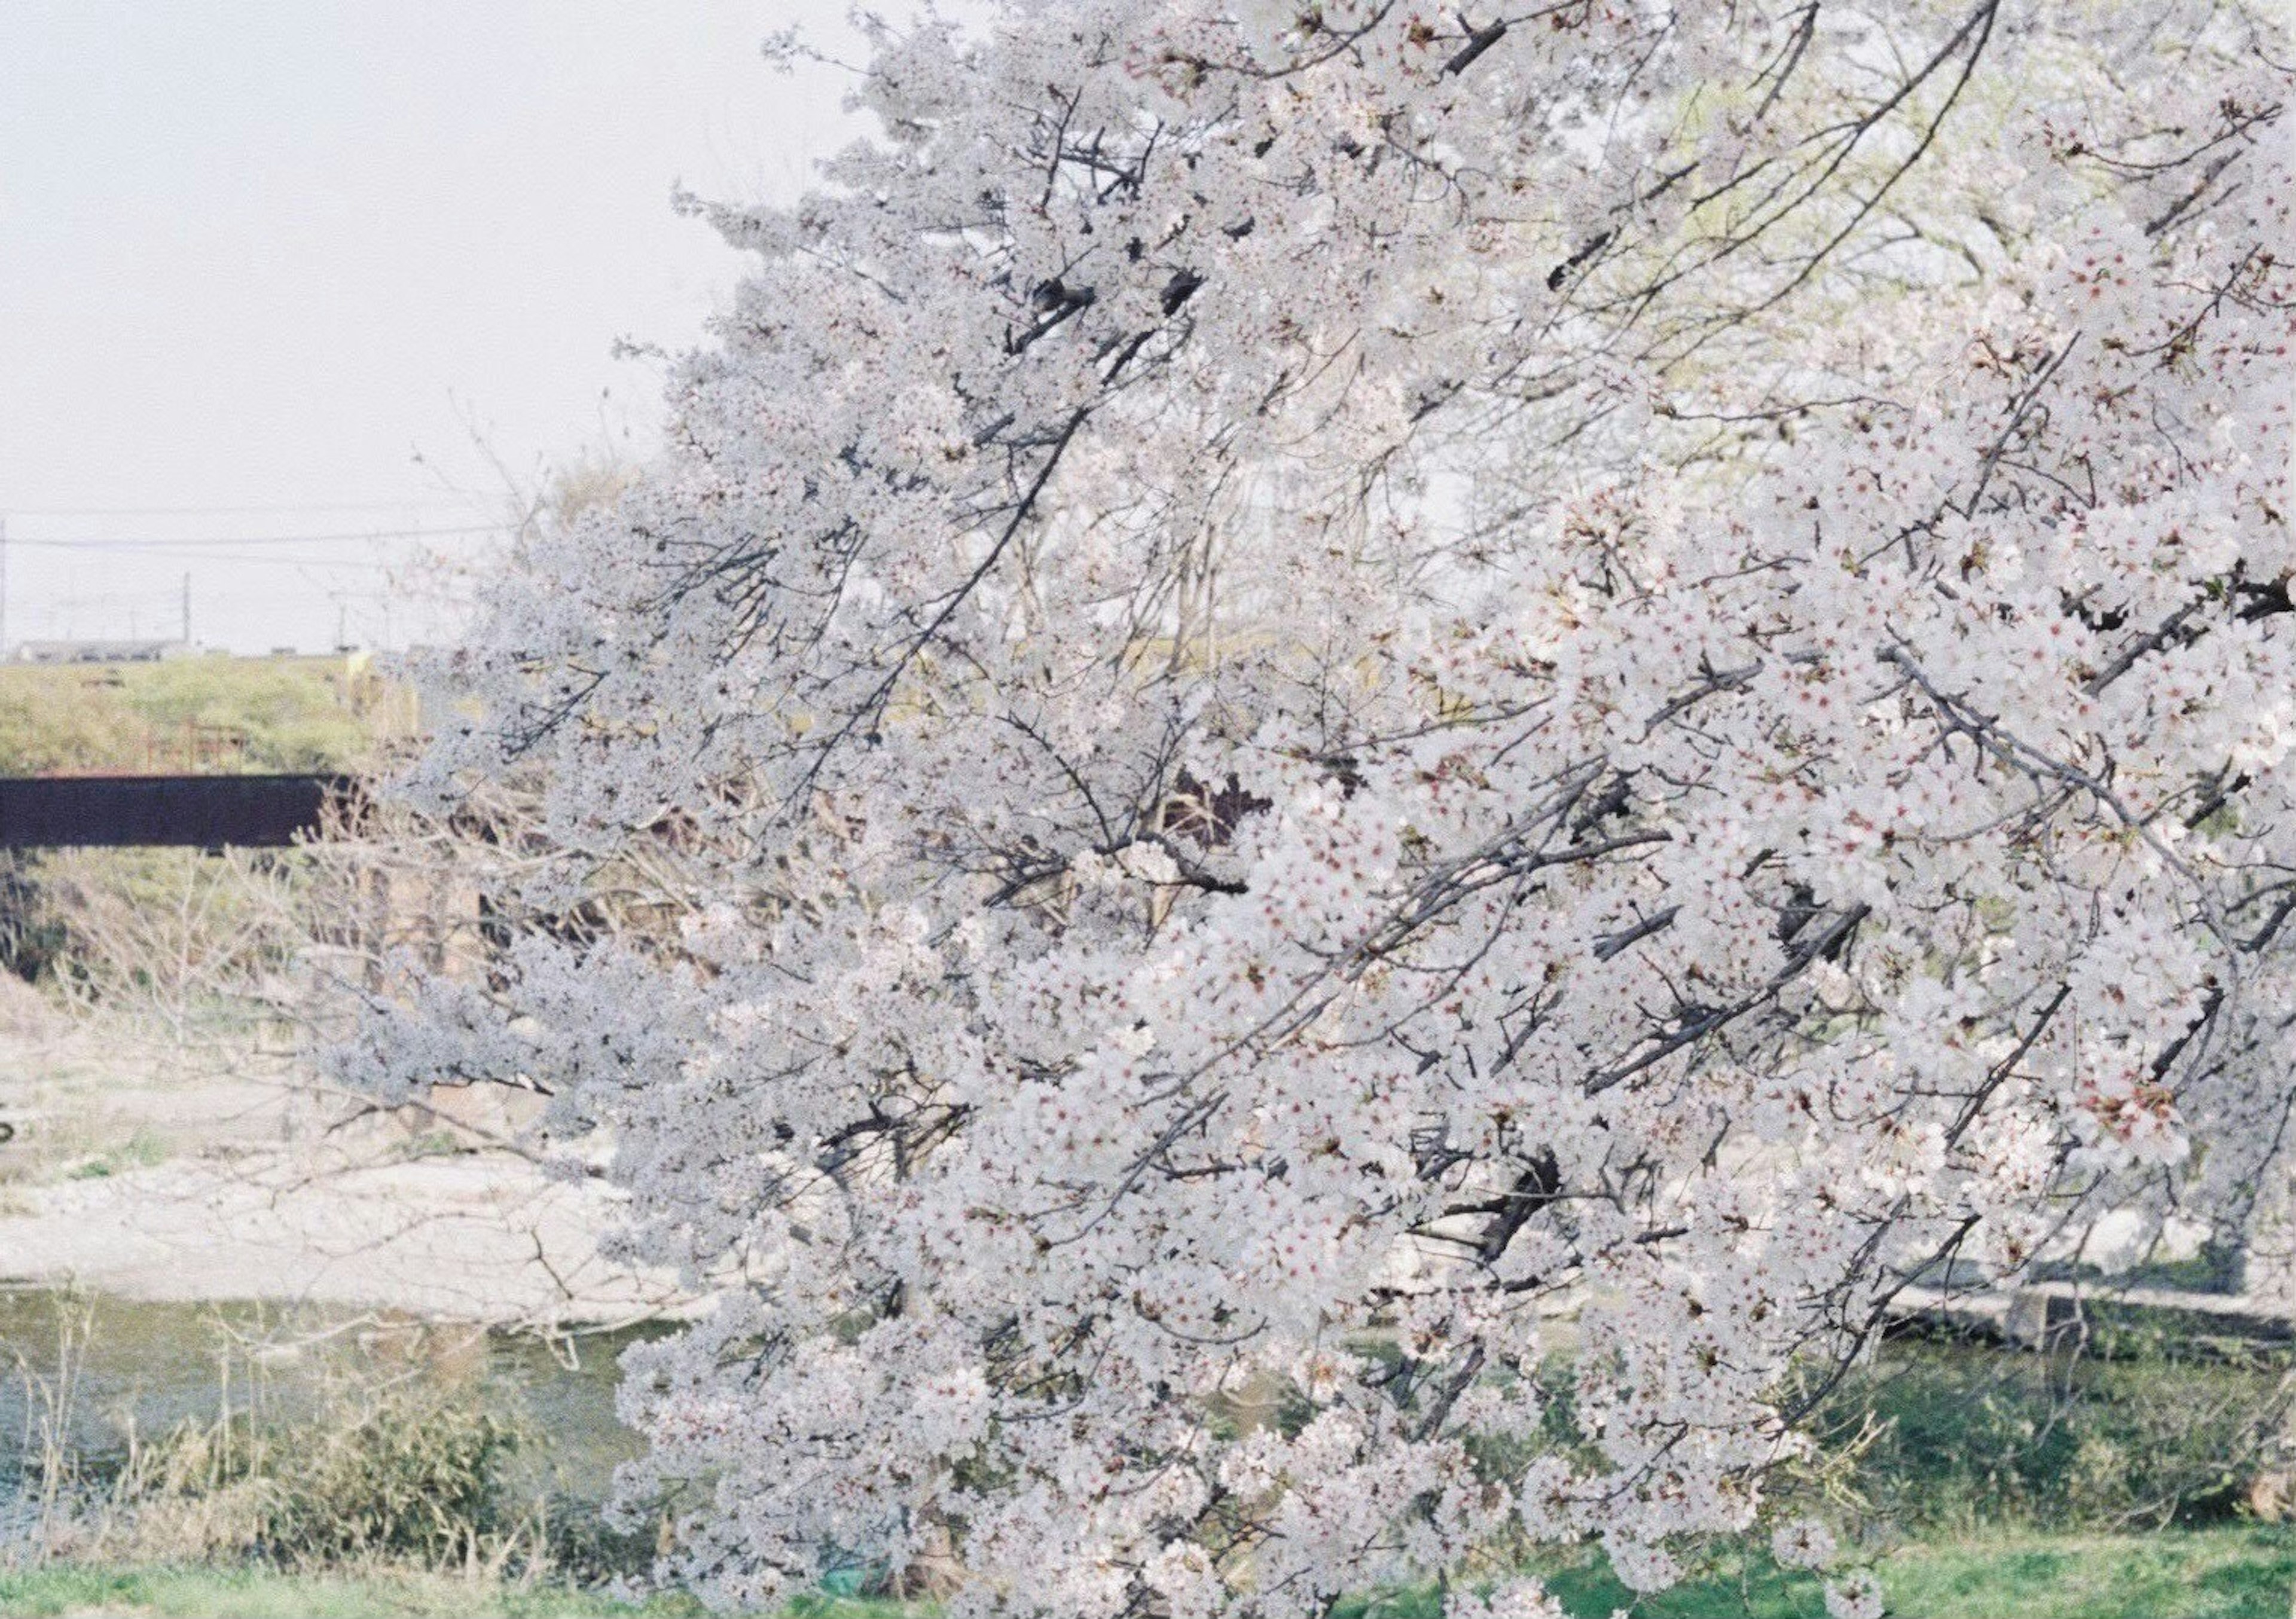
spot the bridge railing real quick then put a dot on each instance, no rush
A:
(182, 812)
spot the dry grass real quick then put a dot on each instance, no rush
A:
(389, 1459)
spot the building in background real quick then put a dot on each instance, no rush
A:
(150, 651)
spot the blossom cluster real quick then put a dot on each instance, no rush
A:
(1380, 704)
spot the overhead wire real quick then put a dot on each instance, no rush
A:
(152, 542)
(262, 549)
(433, 503)
(260, 561)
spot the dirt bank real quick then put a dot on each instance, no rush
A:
(223, 1172)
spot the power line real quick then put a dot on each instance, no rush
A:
(431, 502)
(241, 557)
(146, 543)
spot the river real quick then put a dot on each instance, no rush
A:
(91, 1371)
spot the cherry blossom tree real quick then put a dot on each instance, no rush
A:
(1388, 712)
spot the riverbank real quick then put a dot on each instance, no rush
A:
(165, 1171)
(262, 1593)
(1977, 1483)
(2233, 1572)
(202, 1229)
(477, 1235)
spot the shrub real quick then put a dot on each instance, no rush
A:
(1941, 1436)
(409, 1475)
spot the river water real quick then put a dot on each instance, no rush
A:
(92, 1371)
(1951, 1424)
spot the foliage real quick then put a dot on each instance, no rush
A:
(1611, 678)
(31, 934)
(328, 1442)
(166, 925)
(1977, 1501)
(1951, 1443)
(405, 1476)
(195, 714)
(142, 1149)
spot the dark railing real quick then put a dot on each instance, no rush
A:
(193, 812)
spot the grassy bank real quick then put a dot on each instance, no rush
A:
(2240, 1571)
(267, 1593)
(201, 713)
(2232, 1573)
(394, 1472)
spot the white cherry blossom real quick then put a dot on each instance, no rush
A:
(1320, 710)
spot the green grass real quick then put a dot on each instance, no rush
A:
(2220, 1573)
(140, 1150)
(1967, 1440)
(2239, 1573)
(2006, 1486)
(261, 1593)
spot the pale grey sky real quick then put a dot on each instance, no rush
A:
(297, 257)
